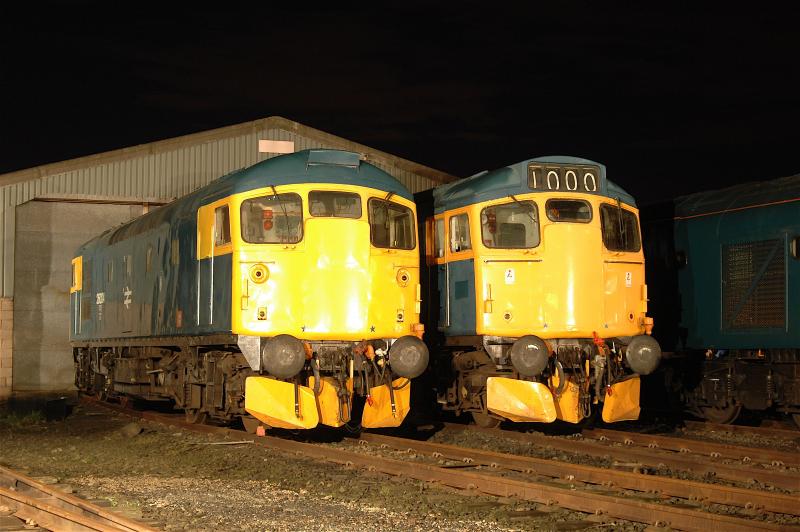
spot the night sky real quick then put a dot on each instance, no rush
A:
(673, 100)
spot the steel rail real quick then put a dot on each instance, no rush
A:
(686, 445)
(22, 485)
(50, 516)
(608, 478)
(582, 501)
(740, 429)
(650, 458)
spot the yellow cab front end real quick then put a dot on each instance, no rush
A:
(326, 288)
(571, 291)
(560, 306)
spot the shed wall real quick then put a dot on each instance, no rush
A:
(51, 232)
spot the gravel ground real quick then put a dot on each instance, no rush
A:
(175, 479)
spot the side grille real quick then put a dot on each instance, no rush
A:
(754, 285)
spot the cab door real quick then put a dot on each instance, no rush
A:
(441, 272)
(625, 293)
(459, 276)
(213, 241)
(75, 293)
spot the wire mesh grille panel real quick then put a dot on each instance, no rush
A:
(754, 285)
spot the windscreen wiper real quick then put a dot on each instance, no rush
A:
(283, 208)
(525, 208)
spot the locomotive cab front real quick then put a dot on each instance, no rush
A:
(325, 300)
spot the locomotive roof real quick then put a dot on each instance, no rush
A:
(309, 166)
(306, 166)
(742, 196)
(513, 180)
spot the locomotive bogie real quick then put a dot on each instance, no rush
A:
(756, 380)
(211, 381)
(732, 255)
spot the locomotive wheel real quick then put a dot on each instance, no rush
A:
(722, 415)
(195, 416)
(485, 420)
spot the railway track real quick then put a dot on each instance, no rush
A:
(780, 431)
(34, 503)
(700, 465)
(691, 446)
(597, 477)
(609, 502)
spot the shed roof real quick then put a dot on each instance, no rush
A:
(273, 122)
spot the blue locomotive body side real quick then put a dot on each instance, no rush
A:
(142, 279)
(739, 266)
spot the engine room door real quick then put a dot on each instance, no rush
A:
(127, 308)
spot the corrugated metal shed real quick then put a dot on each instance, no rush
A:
(164, 170)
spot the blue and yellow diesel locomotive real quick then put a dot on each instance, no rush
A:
(542, 301)
(279, 291)
(736, 254)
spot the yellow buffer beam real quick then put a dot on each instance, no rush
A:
(568, 403)
(378, 408)
(328, 402)
(273, 402)
(520, 400)
(622, 401)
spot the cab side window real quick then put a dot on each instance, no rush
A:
(222, 226)
(439, 239)
(459, 233)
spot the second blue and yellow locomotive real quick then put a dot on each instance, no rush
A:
(542, 301)
(279, 291)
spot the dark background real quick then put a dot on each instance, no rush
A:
(673, 100)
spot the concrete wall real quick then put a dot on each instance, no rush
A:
(6, 343)
(48, 233)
